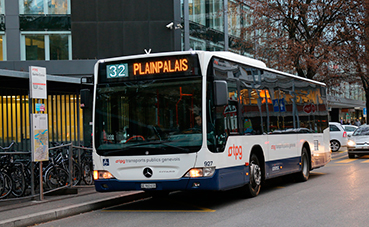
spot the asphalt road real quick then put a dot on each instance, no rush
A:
(335, 195)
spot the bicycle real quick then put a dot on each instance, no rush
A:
(62, 159)
(55, 176)
(87, 168)
(13, 175)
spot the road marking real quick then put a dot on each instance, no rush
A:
(347, 160)
(367, 161)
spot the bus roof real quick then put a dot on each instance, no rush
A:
(222, 54)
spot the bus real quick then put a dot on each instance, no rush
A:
(199, 120)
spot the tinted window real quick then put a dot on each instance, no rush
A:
(333, 128)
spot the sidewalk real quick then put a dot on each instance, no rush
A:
(28, 212)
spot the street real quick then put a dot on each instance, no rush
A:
(335, 195)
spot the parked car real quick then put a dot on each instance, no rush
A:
(358, 143)
(338, 136)
(349, 129)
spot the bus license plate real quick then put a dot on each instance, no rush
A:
(148, 185)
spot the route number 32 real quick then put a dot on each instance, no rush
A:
(118, 70)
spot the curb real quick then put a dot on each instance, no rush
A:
(51, 215)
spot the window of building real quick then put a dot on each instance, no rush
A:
(46, 46)
(234, 18)
(215, 47)
(44, 6)
(197, 44)
(215, 15)
(2, 47)
(2, 10)
(197, 11)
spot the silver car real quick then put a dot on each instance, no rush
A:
(358, 143)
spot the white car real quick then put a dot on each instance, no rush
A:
(349, 129)
(338, 136)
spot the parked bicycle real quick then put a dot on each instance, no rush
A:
(13, 178)
(62, 159)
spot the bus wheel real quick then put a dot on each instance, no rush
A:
(253, 188)
(305, 167)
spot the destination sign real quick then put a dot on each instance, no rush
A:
(148, 68)
(153, 67)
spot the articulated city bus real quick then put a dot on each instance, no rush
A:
(200, 120)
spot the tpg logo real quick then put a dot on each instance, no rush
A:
(236, 151)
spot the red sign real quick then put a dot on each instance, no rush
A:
(309, 108)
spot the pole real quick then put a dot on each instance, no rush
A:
(41, 184)
(70, 166)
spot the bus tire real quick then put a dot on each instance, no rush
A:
(304, 174)
(254, 186)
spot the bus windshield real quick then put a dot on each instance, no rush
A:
(148, 117)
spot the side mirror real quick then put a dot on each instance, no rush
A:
(220, 93)
(85, 98)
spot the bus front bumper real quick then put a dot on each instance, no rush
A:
(223, 179)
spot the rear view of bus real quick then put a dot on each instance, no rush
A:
(146, 120)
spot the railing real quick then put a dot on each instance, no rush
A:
(67, 167)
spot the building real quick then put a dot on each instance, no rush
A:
(68, 36)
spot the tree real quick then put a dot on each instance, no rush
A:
(299, 35)
(354, 32)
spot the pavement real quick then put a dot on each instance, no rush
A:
(80, 199)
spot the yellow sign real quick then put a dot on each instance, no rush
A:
(154, 67)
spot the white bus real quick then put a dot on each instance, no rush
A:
(200, 120)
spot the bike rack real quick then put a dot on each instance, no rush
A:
(42, 193)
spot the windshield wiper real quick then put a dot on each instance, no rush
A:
(160, 143)
(147, 143)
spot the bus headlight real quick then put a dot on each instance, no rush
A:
(102, 174)
(200, 172)
(351, 143)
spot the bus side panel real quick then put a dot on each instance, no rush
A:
(320, 149)
(284, 155)
(281, 167)
(233, 177)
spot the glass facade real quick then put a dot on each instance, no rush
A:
(2, 33)
(197, 11)
(59, 47)
(216, 15)
(2, 10)
(2, 47)
(44, 6)
(49, 46)
(234, 18)
(35, 47)
(207, 27)
(45, 30)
